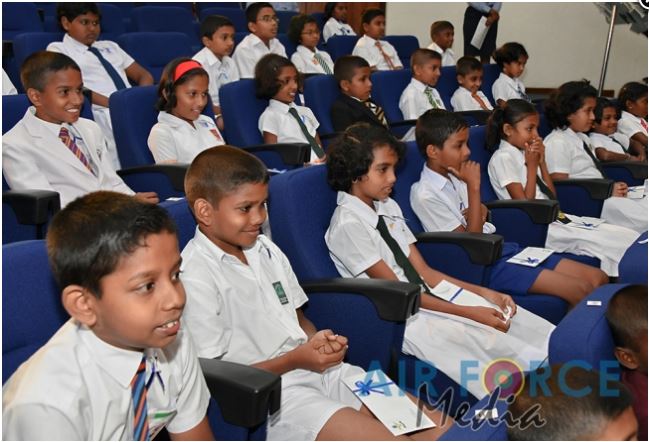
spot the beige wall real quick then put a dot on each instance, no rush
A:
(565, 40)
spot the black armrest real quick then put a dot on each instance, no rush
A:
(291, 153)
(395, 301)
(246, 395)
(175, 173)
(32, 206)
(598, 188)
(539, 211)
(481, 116)
(482, 248)
(637, 169)
(402, 123)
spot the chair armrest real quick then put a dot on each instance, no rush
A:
(174, 172)
(539, 211)
(246, 395)
(482, 248)
(597, 188)
(402, 123)
(480, 116)
(32, 206)
(395, 301)
(292, 154)
(638, 170)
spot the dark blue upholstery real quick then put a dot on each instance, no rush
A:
(241, 111)
(182, 216)
(490, 73)
(387, 87)
(236, 16)
(112, 21)
(284, 21)
(18, 18)
(153, 50)
(289, 46)
(166, 19)
(405, 46)
(447, 84)
(477, 429)
(320, 92)
(633, 266)
(201, 6)
(25, 45)
(340, 45)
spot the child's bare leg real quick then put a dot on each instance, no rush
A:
(593, 275)
(570, 280)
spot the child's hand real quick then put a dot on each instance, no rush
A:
(317, 161)
(309, 357)
(147, 197)
(469, 173)
(330, 342)
(620, 189)
(490, 317)
(532, 157)
(501, 300)
(537, 145)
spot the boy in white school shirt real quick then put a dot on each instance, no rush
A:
(244, 305)
(468, 96)
(121, 368)
(217, 35)
(380, 54)
(105, 66)
(51, 148)
(262, 24)
(442, 34)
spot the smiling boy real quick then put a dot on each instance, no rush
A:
(469, 96)
(380, 54)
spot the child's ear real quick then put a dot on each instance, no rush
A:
(206, 41)
(627, 358)
(34, 96)
(252, 27)
(344, 85)
(80, 304)
(507, 129)
(431, 152)
(203, 211)
(65, 23)
(365, 26)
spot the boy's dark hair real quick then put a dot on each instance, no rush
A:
(213, 23)
(329, 10)
(297, 24)
(37, 68)
(602, 103)
(370, 14)
(252, 11)
(435, 126)
(631, 91)
(221, 170)
(167, 85)
(423, 55)
(345, 67)
(514, 111)
(88, 238)
(440, 26)
(266, 72)
(466, 65)
(73, 10)
(566, 100)
(350, 156)
(627, 316)
(568, 413)
(509, 52)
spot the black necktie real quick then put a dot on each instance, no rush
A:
(561, 217)
(312, 142)
(400, 257)
(592, 157)
(117, 80)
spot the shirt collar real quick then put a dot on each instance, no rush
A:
(507, 79)
(279, 106)
(303, 50)
(370, 39)
(630, 116)
(74, 44)
(507, 146)
(210, 58)
(435, 47)
(418, 85)
(256, 41)
(576, 136)
(217, 253)
(436, 179)
(50, 127)
(171, 120)
(358, 207)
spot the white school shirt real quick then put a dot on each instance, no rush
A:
(414, 102)
(34, 157)
(234, 311)
(615, 143)
(506, 166)
(355, 243)
(448, 56)
(463, 101)
(365, 47)
(335, 27)
(304, 60)
(276, 120)
(77, 387)
(251, 50)
(505, 88)
(220, 72)
(564, 153)
(438, 202)
(630, 125)
(8, 87)
(173, 139)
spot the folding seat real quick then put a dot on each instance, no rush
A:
(236, 16)
(32, 312)
(405, 46)
(153, 50)
(320, 92)
(19, 18)
(167, 19)
(340, 45)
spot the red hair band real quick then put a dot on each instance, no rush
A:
(185, 66)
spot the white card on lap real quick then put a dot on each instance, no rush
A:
(459, 296)
(636, 192)
(584, 222)
(388, 402)
(531, 256)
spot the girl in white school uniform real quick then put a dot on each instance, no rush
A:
(609, 144)
(283, 121)
(182, 132)
(570, 154)
(518, 170)
(336, 21)
(633, 121)
(511, 58)
(368, 238)
(308, 59)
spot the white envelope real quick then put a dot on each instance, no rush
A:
(584, 222)
(388, 402)
(480, 33)
(531, 256)
(459, 296)
(636, 192)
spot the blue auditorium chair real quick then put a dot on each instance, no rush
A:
(447, 84)
(26, 44)
(405, 46)
(490, 73)
(284, 21)
(387, 87)
(201, 6)
(154, 50)
(340, 45)
(320, 92)
(289, 46)
(633, 266)
(166, 19)
(236, 16)
(32, 312)
(18, 18)
(112, 21)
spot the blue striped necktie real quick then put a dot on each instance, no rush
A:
(117, 80)
(138, 391)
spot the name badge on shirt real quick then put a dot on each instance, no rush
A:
(279, 291)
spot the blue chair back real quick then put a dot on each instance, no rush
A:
(447, 84)
(201, 6)
(15, 106)
(185, 223)
(480, 154)
(165, 19)
(633, 266)
(30, 42)
(490, 73)
(289, 46)
(153, 50)
(320, 92)
(387, 87)
(284, 21)
(236, 16)
(238, 37)
(241, 111)
(112, 21)
(405, 46)
(340, 45)
(19, 18)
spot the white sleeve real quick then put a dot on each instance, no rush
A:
(557, 155)
(629, 128)
(407, 104)
(8, 87)
(500, 91)
(245, 61)
(364, 51)
(162, 144)
(297, 60)
(351, 244)
(434, 215)
(19, 168)
(127, 60)
(56, 46)
(394, 55)
(329, 30)
(268, 122)
(39, 422)
(503, 171)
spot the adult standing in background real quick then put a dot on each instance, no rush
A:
(474, 12)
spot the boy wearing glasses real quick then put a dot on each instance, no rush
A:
(262, 23)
